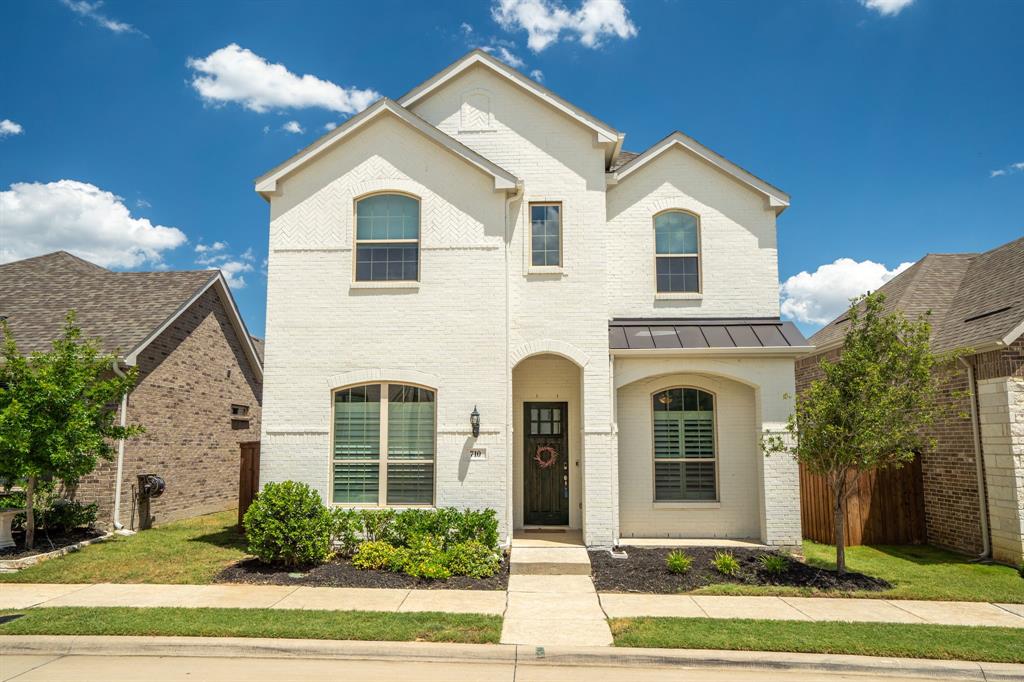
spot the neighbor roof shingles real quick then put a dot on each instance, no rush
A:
(119, 308)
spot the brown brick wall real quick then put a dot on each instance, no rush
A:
(948, 470)
(188, 379)
(1008, 362)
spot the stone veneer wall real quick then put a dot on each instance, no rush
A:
(189, 377)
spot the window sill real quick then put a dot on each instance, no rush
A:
(678, 296)
(668, 506)
(385, 285)
(546, 270)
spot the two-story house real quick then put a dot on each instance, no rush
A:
(477, 298)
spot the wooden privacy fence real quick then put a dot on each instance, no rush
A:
(887, 508)
(248, 477)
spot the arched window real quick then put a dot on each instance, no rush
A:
(387, 238)
(677, 252)
(384, 445)
(684, 445)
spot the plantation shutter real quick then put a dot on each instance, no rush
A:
(357, 445)
(410, 445)
(684, 445)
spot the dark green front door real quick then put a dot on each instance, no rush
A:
(546, 464)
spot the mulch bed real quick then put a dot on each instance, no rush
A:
(341, 573)
(45, 543)
(645, 571)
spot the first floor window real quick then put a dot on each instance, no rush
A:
(384, 445)
(684, 445)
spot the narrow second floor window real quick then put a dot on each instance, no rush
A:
(545, 235)
(387, 238)
(677, 252)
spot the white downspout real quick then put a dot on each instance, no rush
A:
(979, 470)
(509, 445)
(118, 526)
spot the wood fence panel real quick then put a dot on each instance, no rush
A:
(248, 476)
(887, 508)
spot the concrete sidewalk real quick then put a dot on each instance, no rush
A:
(163, 659)
(534, 603)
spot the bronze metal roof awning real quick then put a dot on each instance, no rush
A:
(673, 334)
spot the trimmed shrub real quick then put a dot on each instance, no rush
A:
(377, 524)
(375, 554)
(426, 558)
(473, 559)
(64, 515)
(678, 561)
(348, 527)
(288, 524)
(773, 564)
(725, 563)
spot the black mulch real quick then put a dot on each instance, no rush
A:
(645, 571)
(341, 573)
(45, 543)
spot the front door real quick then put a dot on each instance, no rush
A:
(546, 464)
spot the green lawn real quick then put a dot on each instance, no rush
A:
(288, 624)
(190, 551)
(915, 571)
(1004, 645)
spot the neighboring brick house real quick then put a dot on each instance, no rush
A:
(972, 500)
(199, 390)
(482, 246)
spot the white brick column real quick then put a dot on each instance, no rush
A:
(1001, 413)
(778, 474)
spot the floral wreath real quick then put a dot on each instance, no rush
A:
(545, 456)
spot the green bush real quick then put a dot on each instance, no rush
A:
(348, 527)
(679, 562)
(377, 524)
(375, 555)
(426, 558)
(773, 564)
(725, 563)
(64, 515)
(288, 524)
(473, 559)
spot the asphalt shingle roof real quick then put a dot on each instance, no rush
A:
(975, 299)
(120, 308)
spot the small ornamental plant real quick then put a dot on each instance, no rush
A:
(726, 564)
(289, 525)
(773, 564)
(678, 562)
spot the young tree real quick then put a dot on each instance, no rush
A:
(870, 409)
(58, 412)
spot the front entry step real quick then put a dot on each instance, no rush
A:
(549, 561)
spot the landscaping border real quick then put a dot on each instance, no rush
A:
(15, 565)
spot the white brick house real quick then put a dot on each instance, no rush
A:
(481, 244)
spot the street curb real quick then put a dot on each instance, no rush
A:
(240, 647)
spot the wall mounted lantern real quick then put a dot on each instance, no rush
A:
(474, 421)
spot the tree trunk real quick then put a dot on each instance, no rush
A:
(840, 528)
(30, 516)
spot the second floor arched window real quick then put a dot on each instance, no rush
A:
(387, 238)
(677, 252)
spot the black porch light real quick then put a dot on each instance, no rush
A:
(474, 421)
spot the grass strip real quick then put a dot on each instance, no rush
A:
(954, 642)
(283, 623)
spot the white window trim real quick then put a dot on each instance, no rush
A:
(356, 242)
(382, 459)
(682, 504)
(532, 269)
(698, 255)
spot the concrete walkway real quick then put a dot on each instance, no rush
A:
(813, 609)
(551, 597)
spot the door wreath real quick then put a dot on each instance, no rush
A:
(545, 456)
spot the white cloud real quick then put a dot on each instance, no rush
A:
(545, 20)
(142, 203)
(81, 218)
(818, 297)
(887, 8)
(465, 28)
(292, 127)
(216, 255)
(1012, 168)
(9, 127)
(505, 55)
(537, 75)
(330, 125)
(90, 10)
(235, 74)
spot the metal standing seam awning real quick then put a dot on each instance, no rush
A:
(671, 334)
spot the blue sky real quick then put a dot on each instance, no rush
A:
(895, 125)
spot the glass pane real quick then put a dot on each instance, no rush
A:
(677, 274)
(411, 483)
(357, 423)
(410, 422)
(388, 216)
(668, 481)
(684, 481)
(387, 262)
(675, 232)
(684, 424)
(356, 482)
(545, 231)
